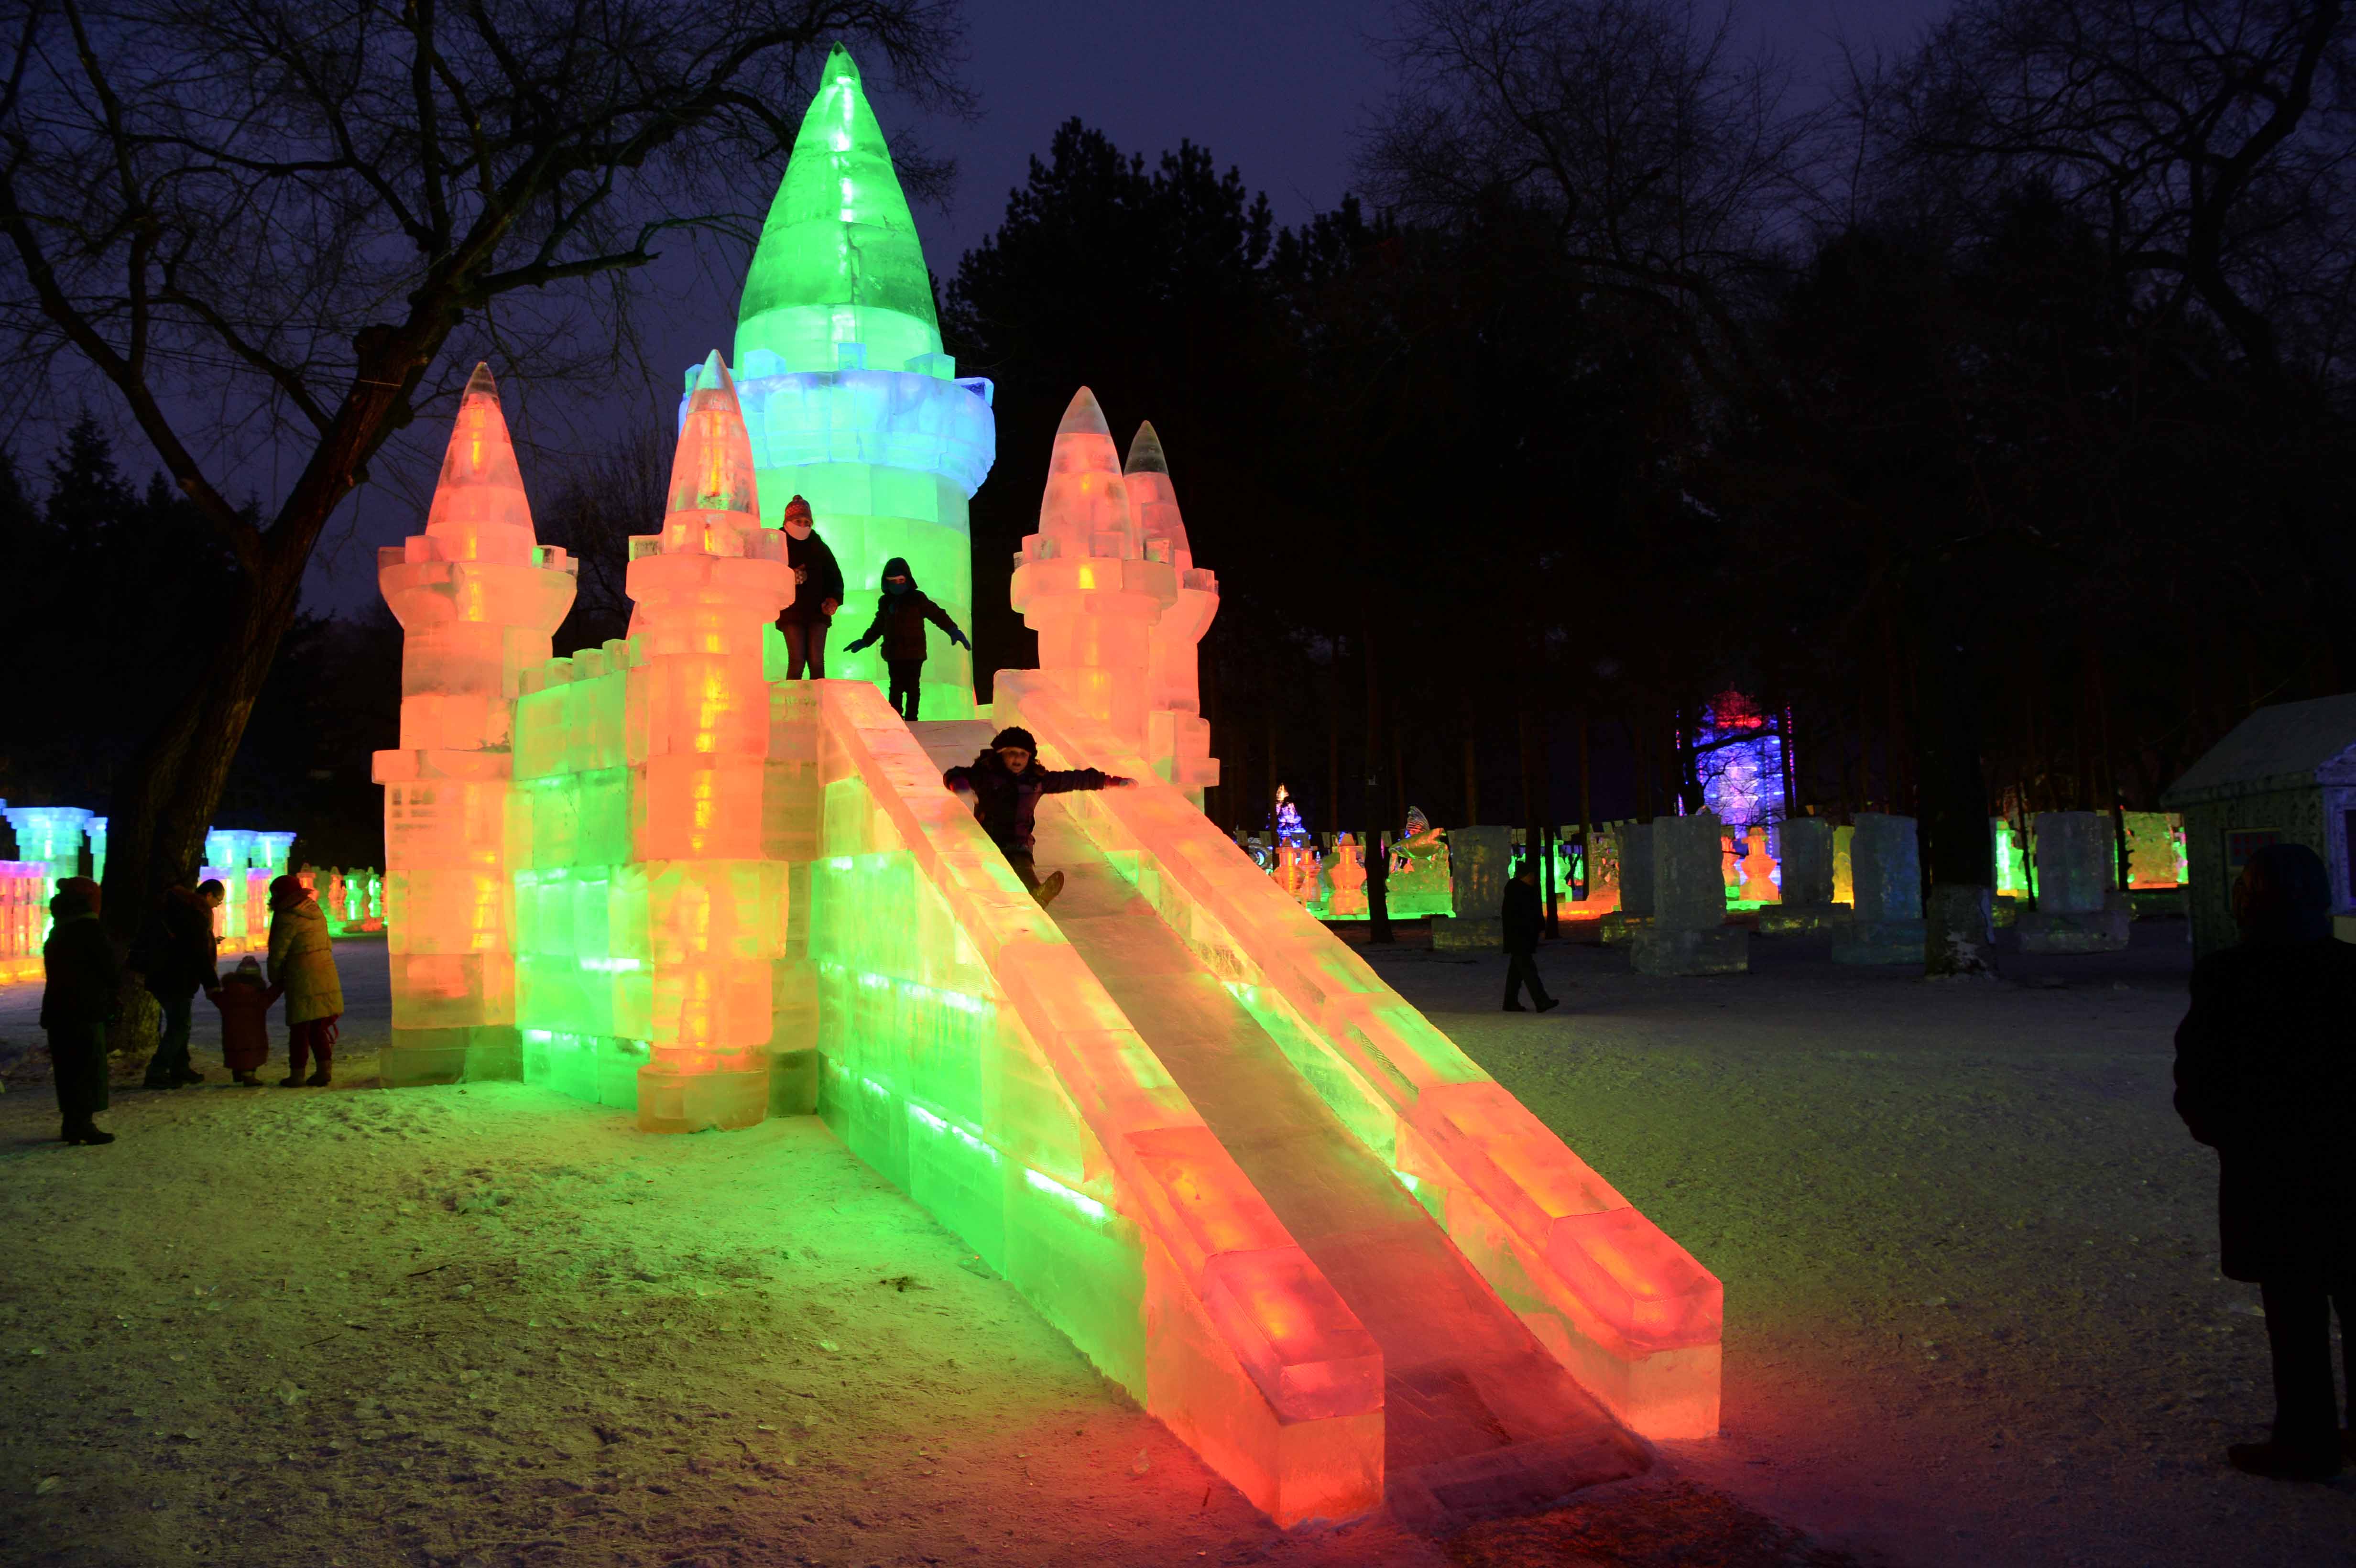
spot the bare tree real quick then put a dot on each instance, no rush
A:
(2213, 149)
(1664, 163)
(234, 209)
(616, 491)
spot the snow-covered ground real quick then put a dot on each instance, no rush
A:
(1973, 1313)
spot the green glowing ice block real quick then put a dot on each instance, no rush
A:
(839, 259)
(847, 396)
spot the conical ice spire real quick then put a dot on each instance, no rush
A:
(479, 511)
(839, 259)
(1145, 451)
(1086, 495)
(1153, 499)
(712, 502)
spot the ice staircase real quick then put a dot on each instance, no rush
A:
(1250, 1183)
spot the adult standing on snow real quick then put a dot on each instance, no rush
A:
(1006, 783)
(302, 966)
(1523, 918)
(901, 611)
(818, 593)
(177, 956)
(79, 1004)
(2265, 1074)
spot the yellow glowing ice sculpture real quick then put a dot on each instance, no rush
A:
(477, 598)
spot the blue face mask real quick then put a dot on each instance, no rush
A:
(895, 588)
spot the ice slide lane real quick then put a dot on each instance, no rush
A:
(1478, 1416)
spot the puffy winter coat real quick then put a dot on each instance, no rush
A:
(78, 965)
(303, 962)
(178, 951)
(1008, 803)
(817, 577)
(900, 617)
(2266, 1074)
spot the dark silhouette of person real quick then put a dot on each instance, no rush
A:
(2265, 1074)
(1525, 917)
(81, 1001)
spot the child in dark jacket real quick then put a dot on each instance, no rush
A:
(901, 611)
(244, 1003)
(1005, 783)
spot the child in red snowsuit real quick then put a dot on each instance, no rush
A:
(244, 1003)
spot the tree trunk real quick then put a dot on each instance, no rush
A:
(164, 801)
(1959, 853)
(1586, 884)
(1377, 850)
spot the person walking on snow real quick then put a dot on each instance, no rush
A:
(1006, 785)
(2265, 1074)
(79, 1003)
(244, 1002)
(302, 966)
(176, 954)
(818, 593)
(901, 611)
(1523, 918)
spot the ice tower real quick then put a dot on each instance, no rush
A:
(848, 397)
(1087, 584)
(477, 598)
(1177, 740)
(697, 732)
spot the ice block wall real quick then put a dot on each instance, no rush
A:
(1086, 585)
(478, 598)
(1177, 738)
(971, 1057)
(848, 397)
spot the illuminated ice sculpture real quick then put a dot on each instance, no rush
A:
(478, 598)
(848, 399)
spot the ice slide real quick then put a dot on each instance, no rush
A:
(1251, 1184)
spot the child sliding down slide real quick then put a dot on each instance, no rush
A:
(1006, 788)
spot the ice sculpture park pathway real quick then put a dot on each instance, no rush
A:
(1478, 1418)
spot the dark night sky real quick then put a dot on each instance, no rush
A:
(1279, 89)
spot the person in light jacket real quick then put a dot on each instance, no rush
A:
(302, 966)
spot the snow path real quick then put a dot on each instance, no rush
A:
(1972, 1314)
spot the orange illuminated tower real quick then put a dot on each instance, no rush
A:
(1084, 581)
(477, 598)
(697, 740)
(1177, 740)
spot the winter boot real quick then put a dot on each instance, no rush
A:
(320, 1079)
(1049, 886)
(246, 1077)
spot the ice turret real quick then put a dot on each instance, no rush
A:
(1084, 581)
(712, 502)
(477, 598)
(1177, 741)
(707, 589)
(848, 399)
(839, 259)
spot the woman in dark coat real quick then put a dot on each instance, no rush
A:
(818, 593)
(901, 611)
(79, 1003)
(2265, 1074)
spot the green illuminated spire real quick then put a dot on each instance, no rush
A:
(1145, 451)
(839, 259)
